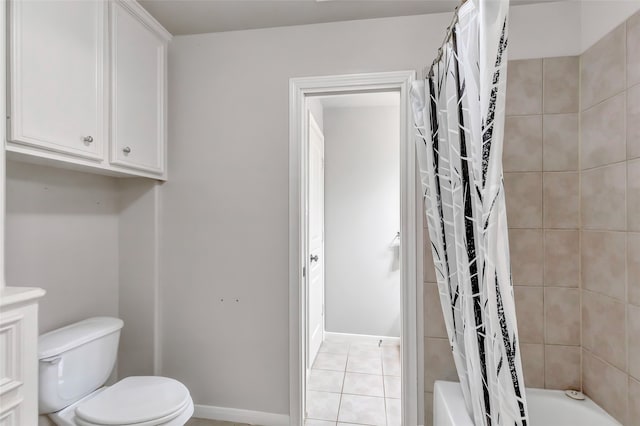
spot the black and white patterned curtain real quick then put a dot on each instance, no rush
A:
(459, 114)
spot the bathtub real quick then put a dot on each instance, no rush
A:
(546, 408)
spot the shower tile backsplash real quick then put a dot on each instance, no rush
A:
(560, 87)
(604, 122)
(542, 186)
(560, 142)
(633, 122)
(574, 225)
(610, 207)
(603, 68)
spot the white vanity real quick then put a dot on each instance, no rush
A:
(19, 355)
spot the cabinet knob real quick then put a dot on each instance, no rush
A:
(126, 150)
(88, 139)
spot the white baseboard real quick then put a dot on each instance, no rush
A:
(240, 416)
(339, 337)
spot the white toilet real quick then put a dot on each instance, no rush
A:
(75, 363)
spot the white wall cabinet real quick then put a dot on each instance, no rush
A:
(19, 355)
(138, 90)
(88, 86)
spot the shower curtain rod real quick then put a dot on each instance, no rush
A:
(449, 32)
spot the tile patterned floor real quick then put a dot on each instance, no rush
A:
(354, 383)
(203, 422)
(351, 383)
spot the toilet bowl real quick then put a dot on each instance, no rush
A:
(75, 362)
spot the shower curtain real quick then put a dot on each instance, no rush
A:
(459, 114)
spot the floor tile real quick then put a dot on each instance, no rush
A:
(364, 364)
(392, 388)
(391, 351)
(394, 412)
(363, 384)
(325, 380)
(391, 366)
(326, 361)
(335, 347)
(368, 350)
(311, 422)
(322, 405)
(206, 422)
(365, 410)
(356, 397)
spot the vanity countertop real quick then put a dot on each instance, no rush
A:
(17, 295)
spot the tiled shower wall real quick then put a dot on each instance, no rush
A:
(610, 207)
(572, 177)
(542, 186)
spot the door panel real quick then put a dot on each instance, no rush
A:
(316, 239)
(137, 74)
(57, 93)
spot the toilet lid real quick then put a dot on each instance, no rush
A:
(135, 400)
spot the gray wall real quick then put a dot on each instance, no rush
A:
(225, 208)
(91, 242)
(138, 279)
(62, 235)
(362, 216)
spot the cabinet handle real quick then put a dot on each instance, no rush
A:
(88, 139)
(126, 150)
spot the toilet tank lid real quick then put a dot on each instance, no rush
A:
(73, 335)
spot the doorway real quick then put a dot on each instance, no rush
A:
(341, 359)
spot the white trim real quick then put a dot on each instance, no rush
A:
(238, 415)
(368, 338)
(409, 226)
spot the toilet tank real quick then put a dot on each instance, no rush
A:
(76, 360)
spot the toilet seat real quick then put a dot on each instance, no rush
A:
(137, 401)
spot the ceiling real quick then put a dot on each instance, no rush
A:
(361, 100)
(205, 16)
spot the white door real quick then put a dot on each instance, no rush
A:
(137, 75)
(57, 52)
(316, 240)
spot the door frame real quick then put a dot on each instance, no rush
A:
(410, 225)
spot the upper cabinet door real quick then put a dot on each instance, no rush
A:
(57, 56)
(138, 73)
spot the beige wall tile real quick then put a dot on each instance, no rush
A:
(633, 121)
(433, 318)
(604, 328)
(524, 87)
(560, 142)
(634, 402)
(633, 327)
(526, 249)
(562, 315)
(633, 266)
(561, 258)
(562, 367)
(438, 362)
(633, 49)
(428, 409)
(603, 262)
(561, 200)
(523, 193)
(561, 77)
(604, 133)
(530, 314)
(523, 144)
(532, 356)
(603, 198)
(633, 195)
(603, 68)
(428, 270)
(606, 385)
